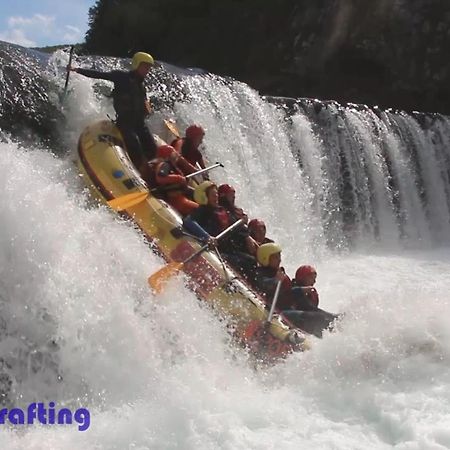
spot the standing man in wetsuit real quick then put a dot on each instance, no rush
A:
(131, 106)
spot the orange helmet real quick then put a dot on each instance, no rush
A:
(194, 131)
(165, 151)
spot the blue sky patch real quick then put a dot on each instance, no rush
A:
(32, 23)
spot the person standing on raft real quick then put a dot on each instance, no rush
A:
(131, 106)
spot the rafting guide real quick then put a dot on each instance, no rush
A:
(37, 413)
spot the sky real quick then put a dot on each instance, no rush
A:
(39, 23)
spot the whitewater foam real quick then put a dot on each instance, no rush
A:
(80, 327)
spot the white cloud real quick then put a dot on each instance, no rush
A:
(74, 29)
(73, 34)
(38, 20)
(17, 36)
(19, 28)
(38, 29)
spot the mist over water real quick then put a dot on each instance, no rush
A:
(362, 196)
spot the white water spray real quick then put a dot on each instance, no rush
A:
(80, 328)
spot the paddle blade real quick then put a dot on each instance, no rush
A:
(172, 128)
(127, 201)
(160, 278)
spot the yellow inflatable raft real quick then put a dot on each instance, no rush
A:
(109, 174)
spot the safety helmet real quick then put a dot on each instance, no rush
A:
(265, 251)
(141, 57)
(165, 151)
(255, 223)
(303, 272)
(194, 131)
(201, 191)
(225, 189)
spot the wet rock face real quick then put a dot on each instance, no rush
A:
(32, 100)
(29, 103)
(386, 53)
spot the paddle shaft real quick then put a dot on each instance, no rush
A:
(157, 280)
(128, 200)
(68, 72)
(219, 236)
(274, 302)
(206, 169)
(171, 187)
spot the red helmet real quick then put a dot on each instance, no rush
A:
(255, 223)
(194, 131)
(165, 151)
(303, 272)
(225, 189)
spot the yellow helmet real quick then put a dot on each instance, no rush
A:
(200, 192)
(141, 57)
(265, 251)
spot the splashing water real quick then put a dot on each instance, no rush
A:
(79, 326)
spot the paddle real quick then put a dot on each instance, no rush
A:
(64, 94)
(172, 128)
(159, 278)
(258, 331)
(128, 200)
(274, 302)
(206, 169)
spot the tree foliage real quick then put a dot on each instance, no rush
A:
(217, 35)
(384, 52)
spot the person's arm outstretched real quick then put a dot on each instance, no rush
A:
(113, 76)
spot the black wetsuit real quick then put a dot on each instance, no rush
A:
(293, 304)
(129, 98)
(239, 257)
(266, 281)
(306, 315)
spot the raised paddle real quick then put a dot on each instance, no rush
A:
(159, 278)
(128, 200)
(64, 94)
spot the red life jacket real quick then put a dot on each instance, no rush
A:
(187, 150)
(156, 166)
